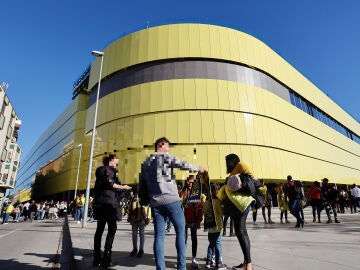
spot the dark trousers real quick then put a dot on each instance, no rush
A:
(106, 215)
(193, 232)
(242, 234)
(226, 217)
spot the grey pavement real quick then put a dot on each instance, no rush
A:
(277, 246)
(30, 246)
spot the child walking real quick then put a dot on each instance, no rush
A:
(139, 217)
(214, 234)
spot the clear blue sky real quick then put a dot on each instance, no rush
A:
(46, 44)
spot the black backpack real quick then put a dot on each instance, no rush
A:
(251, 186)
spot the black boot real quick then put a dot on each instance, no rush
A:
(97, 258)
(106, 260)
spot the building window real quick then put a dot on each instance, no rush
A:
(7, 166)
(9, 155)
(3, 155)
(2, 121)
(9, 132)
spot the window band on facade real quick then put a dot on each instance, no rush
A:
(196, 68)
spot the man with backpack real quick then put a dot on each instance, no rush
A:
(157, 183)
(293, 191)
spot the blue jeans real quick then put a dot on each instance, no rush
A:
(214, 247)
(295, 208)
(175, 213)
(79, 213)
(6, 217)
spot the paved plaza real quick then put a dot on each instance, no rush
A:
(276, 246)
(51, 244)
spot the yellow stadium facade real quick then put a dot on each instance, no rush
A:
(211, 91)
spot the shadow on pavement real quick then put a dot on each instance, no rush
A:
(12, 264)
(123, 259)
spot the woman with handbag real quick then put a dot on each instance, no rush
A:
(237, 204)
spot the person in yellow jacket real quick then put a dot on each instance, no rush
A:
(238, 204)
(138, 216)
(8, 209)
(267, 203)
(80, 204)
(214, 234)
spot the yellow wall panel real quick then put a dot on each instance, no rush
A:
(258, 130)
(163, 41)
(145, 97)
(195, 124)
(240, 128)
(178, 94)
(152, 46)
(249, 128)
(173, 49)
(251, 98)
(243, 98)
(129, 131)
(184, 41)
(214, 162)
(194, 41)
(134, 48)
(219, 132)
(143, 46)
(189, 94)
(167, 93)
(126, 102)
(215, 49)
(135, 100)
(224, 43)
(201, 95)
(233, 96)
(212, 94)
(208, 126)
(183, 128)
(118, 104)
(204, 38)
(223, 95)
(229, 127)
(156, 97)
(138, 133)
(160, 128)
(149, 129)
(172, 125)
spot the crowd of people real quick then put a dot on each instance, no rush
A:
(160, 200)
(31, 210)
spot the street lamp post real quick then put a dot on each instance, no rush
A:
(97, 54)
(78, 171)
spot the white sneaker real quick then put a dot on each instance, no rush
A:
(78, 222)
(194, 263)
(255, 223)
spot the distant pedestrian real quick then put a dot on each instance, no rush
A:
(355, 192)
(80, 204)
(32, 210)
(267, 202)
(294, 194)
(7, 211)
(331, 196)
(314, 196)
(283, 204)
